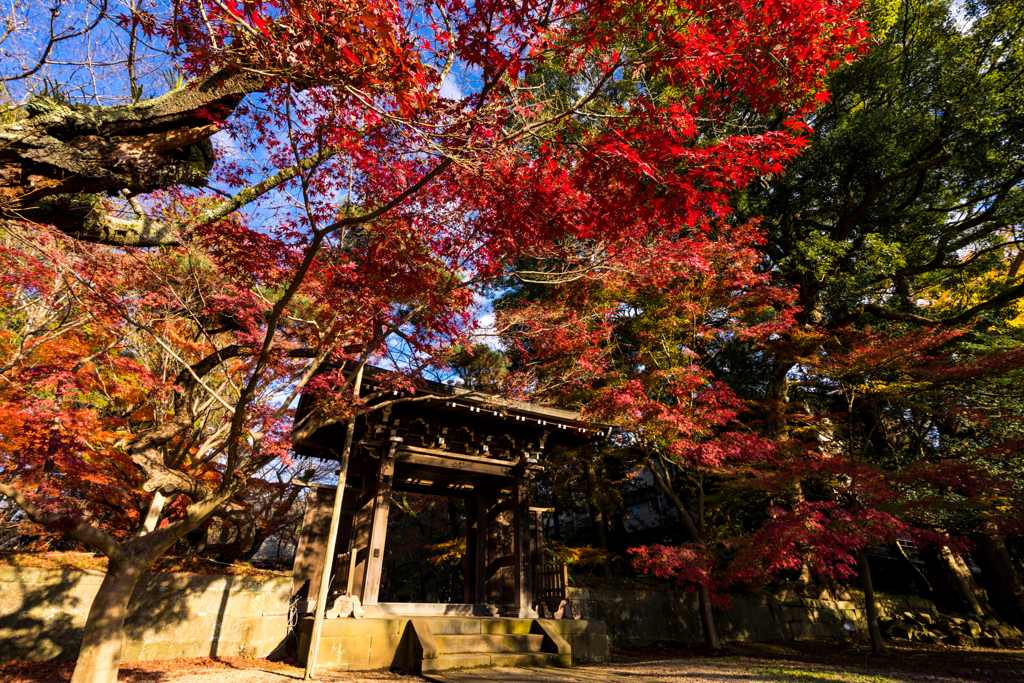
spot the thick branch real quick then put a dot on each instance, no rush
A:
(60, 149)
(80, 531)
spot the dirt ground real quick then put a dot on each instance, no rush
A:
(804, 662)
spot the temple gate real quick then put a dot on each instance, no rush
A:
(443, 441)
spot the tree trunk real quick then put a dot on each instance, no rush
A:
(597, 518)
(869, 601)
(145, 146)
(963, 581)
(707, 618)
(794, 498)
(1000, 577)
(100, 656)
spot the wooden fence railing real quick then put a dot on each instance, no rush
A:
(552, 583)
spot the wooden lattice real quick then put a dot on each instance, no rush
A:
(552, 583)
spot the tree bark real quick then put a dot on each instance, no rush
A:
(58, 149)
(1000, 577)
(100, 657)
(870, 606)
(597, 518)
(707, 616)
(963, 581)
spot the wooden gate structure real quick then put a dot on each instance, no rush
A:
(448, 442)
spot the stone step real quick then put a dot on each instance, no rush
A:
(470, 660)
(490, 643)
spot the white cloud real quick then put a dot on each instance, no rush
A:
(449, 89)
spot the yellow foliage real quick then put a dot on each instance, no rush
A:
(971, 291)
(447, 553)
(583, 556)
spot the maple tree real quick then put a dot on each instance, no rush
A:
(636, 346)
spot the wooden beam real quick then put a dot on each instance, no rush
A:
(451, 464)
(456, 456)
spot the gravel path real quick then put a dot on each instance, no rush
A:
(666, 671)
(754, 663)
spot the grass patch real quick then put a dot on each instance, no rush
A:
(786, 673)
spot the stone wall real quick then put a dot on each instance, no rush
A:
(43, 612)
(643, 617)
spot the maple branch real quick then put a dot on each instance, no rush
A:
(81, 531)
(84, 218)
(667, 489)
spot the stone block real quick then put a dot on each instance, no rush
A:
(919, 605)
(903, 632)
(588, 648)
(790, 613)
(959, 640)
(349, 627)
(1006, 631)
(455, 662)
(351, 652)
(246, 603)
(990, 641)
(383, 651)
(276, 603)
(503, 625)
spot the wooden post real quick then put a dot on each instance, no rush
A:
(309, 556)
(332, 537)
(359, 540)
(536, 544)
(469, 559)
(379, 525)
(521, 565)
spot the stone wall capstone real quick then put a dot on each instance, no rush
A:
(43, 612)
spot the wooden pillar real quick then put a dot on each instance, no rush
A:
(360, 536)
(379, 523)
(312, 548)
(310, 556)
(522, 568)
(469, 561)
(537, 556)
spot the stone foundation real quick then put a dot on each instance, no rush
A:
(392, 643)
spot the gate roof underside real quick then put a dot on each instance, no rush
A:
(448, 440)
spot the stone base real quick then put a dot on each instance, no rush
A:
(392, 643)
